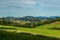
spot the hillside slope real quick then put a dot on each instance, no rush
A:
(52, 29)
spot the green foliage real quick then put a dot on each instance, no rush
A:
(27, 23)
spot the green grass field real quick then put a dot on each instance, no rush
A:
(52, 30)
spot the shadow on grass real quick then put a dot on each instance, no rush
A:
(4, 35)
(7, 28)
(54, 28)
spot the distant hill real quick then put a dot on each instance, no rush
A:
(24, 18)
(31, 18)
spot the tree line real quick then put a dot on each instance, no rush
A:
(27, 23)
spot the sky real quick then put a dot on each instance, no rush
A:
(20, 8)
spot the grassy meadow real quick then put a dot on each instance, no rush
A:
(44, 32)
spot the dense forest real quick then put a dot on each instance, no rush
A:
(28, 21)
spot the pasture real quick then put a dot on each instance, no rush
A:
(48, 30)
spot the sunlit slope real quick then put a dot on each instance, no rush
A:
(52, 29)
(50, 26)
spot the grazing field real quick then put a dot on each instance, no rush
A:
(48, 30)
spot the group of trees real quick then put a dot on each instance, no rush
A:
(26, 23)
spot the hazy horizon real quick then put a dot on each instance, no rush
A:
(20, 8)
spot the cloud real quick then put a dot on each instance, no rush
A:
(50, 3)
(17, 3)
(30, 3)
(27, 2)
